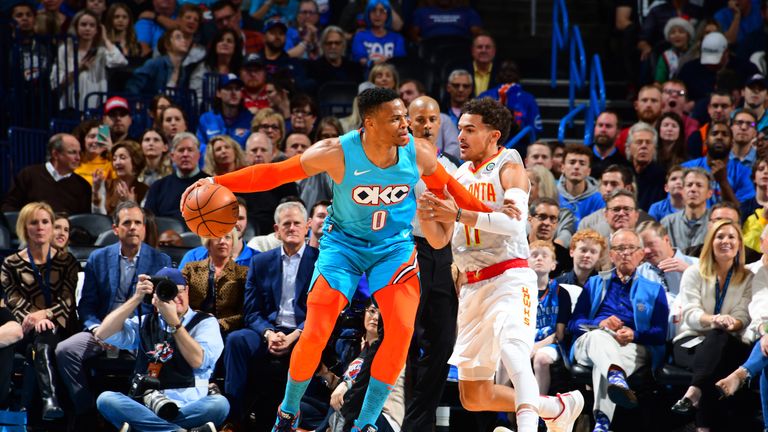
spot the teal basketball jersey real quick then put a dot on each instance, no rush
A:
(371, 203)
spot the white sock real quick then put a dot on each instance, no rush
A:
(549, 407)
(527, 420)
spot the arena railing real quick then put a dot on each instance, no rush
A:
(36, 65)
(567, 121)
(524, 132)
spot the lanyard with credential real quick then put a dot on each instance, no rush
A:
(720, 295)
(45, 283)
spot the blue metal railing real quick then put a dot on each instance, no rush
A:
(559, 36)
(524, 132)
(567, 121)
(596, 97)
(563, 34)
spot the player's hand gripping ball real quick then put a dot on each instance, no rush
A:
(210, 211)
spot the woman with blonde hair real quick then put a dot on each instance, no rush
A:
(384, 75)
(217, 283)
(39, 284)
(223, 155)
(715, 298)
(271, 123)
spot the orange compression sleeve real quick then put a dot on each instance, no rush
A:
(440, 178)
(262, 177)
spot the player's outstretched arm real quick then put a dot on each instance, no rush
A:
(256, 178)
(437, 178)
(514, 180)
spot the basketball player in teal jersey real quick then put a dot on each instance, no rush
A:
(368, 230)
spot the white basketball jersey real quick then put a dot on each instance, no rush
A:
(474, 249)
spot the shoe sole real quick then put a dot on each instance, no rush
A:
(622, 396)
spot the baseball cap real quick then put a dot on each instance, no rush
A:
(116, 102)
(227, 79)
(252, 60)
(712, 48)
(171, 273)
(757, 79)
(273, 22)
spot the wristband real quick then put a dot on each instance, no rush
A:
(458, 215)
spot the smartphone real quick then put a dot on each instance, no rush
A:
(102, 135)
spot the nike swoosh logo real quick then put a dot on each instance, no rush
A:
(357, 173)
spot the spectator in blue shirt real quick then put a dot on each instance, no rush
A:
(674, 201)
(742, 24)
(447, 18)
(266, 9)
(229, 115)
(578, 191)
(376, 44)
(620, 325)
(525, 110)
(732, 179)
(152, 24)
(240, 251)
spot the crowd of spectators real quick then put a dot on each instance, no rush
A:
(665, 208)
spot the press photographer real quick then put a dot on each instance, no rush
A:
(177, 349)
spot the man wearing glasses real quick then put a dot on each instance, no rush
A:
(543, 218)
(744, 128)
(459, 90)
(303, 115)
(623, 331)
(333, 64)
(674, 99)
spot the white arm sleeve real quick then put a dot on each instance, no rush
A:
(499, 223)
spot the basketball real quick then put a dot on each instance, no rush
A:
(211, 211)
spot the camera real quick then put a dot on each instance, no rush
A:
(165, 289)
(145, 390)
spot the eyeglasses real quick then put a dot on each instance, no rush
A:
(545, 217)
(619, 209)
(372, 310)
(458, 85)
(742, 123)
(269, 126)
(673, 92)
(625, 249)
(298, 112)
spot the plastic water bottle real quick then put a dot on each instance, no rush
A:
(443, 419)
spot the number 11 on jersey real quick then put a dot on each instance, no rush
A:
(473, 236)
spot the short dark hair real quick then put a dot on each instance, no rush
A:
(611, 112)
(727, 205)
(492, 113)
(714, 123)
(241, 202)
(302, 100)
(419, 85)
(626, 174)
(369, 100)
(508, 72)
(676, 168)
(620, 193)
(542, 200)
(221, 4)
(720, 93)
(744, 111)
(126, 205)
(579, 149)
(324, 203)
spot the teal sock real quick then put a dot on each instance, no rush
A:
(294, 390)
(375, 396)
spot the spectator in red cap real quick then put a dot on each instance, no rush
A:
(117, 115)
(254, 77)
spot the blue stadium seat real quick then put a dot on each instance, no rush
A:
(5, 238)
(190, 240)
(93, 224)
(210, 84)
(166, 223)
(61, 125)
(336, 98)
